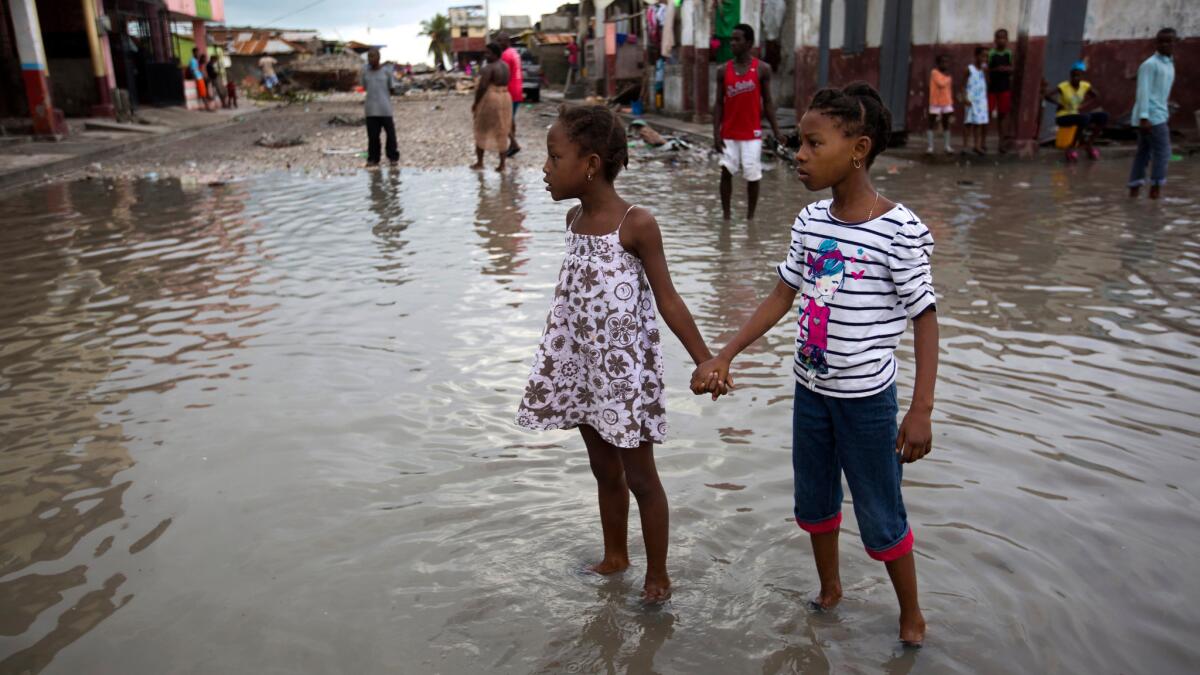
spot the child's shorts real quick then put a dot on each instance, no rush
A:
(856, 436)
(743, 157)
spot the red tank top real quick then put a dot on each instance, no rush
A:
(741, 114)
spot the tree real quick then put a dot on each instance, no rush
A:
(437, 30)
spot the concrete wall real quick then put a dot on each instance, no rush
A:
(1117, 37)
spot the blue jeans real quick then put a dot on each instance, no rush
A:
(1154, 148)
(856, 436)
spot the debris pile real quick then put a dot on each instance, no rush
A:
(270, 140)
(434, 81)
(325, 72)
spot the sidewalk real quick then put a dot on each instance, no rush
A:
(913, 151)
(25, 161)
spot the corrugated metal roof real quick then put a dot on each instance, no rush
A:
(263, 45)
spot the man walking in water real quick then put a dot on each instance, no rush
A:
(1150, 113)
(743, 94)
(516, 86)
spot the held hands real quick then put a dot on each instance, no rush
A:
(915, 439)
(719, 143)
(712, 377)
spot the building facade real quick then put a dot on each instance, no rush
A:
(892, 44)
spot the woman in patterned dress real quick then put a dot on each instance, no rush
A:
(599, 366)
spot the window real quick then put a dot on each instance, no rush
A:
(855, 39)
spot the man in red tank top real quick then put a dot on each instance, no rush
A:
(743, 94)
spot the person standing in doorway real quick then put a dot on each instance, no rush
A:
(516, 86)
(1150, 114)
(377, 80)
(1000, 70)
(743, 95)
(572, 61)
(267, 65)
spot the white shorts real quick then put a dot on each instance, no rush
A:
(744, 157)
(941, 109)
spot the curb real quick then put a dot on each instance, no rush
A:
(21, 179)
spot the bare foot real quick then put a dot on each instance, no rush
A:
(912, 629)
(500, 168)
(478, 166)
(1155, 191)
(610, 566)
(828, 598)
(656, 589)
(1133, 192)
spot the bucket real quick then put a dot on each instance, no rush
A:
(636, 108)
(1065, 137)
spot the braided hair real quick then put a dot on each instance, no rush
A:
(858, 111)
(596, 129)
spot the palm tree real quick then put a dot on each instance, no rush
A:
(437, 30)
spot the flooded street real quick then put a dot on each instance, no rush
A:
(268, 427)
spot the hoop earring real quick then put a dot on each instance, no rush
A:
(855, 162)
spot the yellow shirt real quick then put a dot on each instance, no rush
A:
(1070, 98)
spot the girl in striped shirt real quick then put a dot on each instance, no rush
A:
(861, 264)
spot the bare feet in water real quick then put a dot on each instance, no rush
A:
(656, 589)
(912, 629)
(828, 598)
(610, 566)
(478, 166)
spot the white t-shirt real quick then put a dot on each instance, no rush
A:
(267, 64)
(859, 284)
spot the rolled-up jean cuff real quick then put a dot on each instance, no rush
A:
(1136, 183)
(822, 526)
(1158, 183)
(1146, 181)
(897, 550)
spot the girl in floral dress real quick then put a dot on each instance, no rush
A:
(599, 366)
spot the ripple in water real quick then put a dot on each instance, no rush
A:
(276, 416)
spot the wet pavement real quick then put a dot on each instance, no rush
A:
(267, 427)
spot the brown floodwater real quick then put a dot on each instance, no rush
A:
(268, 427)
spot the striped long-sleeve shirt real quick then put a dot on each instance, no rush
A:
(859, 284)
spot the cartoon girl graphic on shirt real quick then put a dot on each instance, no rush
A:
(826, 272)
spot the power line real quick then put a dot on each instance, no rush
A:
(294, 13)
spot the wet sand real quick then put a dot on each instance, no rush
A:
(267, 427)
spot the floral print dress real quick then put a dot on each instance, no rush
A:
(599, 362)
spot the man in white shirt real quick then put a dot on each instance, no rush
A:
(267, 65)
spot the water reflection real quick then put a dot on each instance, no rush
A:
(104, 303)
(276, 416)
(499, 221)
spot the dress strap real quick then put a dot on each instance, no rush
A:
(578, 212)
(631, 207)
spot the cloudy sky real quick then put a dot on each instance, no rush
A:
(391, 22)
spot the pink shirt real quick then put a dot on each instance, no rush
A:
(515, 82)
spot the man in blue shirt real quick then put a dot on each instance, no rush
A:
(1154, 79)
